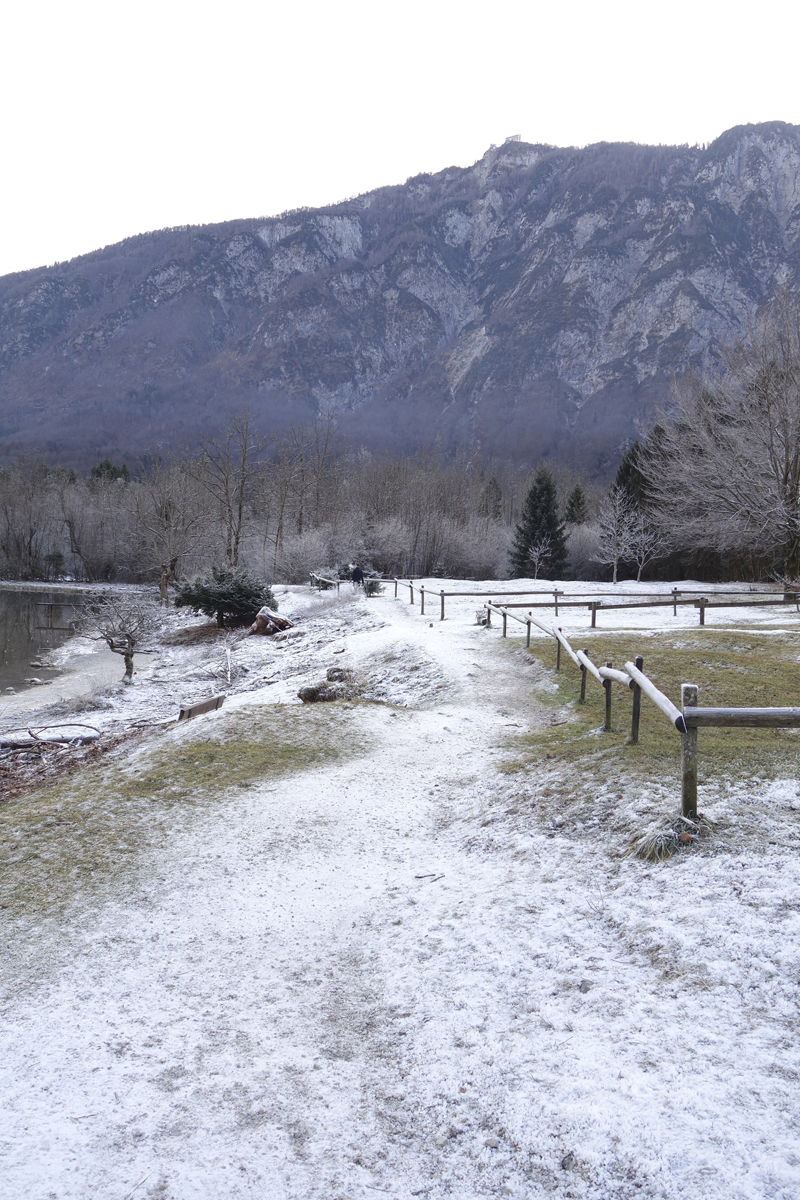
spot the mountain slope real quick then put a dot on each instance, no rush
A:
(536, 303)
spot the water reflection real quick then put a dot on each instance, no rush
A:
(31, 623)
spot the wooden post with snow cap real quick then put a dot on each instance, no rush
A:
(528, 639)
(689, 694)
(422, 599)
(505, 622)
(607, 687)
(555, 598)
(411, 591)
(441, 595)
(637, 703)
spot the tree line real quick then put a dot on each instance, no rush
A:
(281, 507)
(712, 491)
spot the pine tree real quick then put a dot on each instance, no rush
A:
(226, 592)
(576, 511)
(629, 474)
(539, 521)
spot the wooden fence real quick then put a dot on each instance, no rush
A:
(686, 720)
(595, 601)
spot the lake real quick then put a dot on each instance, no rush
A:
(31, 623)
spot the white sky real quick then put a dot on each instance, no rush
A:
(121, 117)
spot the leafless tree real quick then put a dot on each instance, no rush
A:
(615, 530)
(170, 516)
(122, 622)
(646, 541)
(724, 470)
(539, 553)
(227, 468)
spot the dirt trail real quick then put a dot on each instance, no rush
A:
(364, 980)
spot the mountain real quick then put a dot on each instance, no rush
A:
(535, 304)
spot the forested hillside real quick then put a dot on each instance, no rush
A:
(535, 304)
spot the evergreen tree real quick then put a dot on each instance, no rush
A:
(629, 474)
(106, 472)
(226, 592)
(576, 511)
(491, 502)
(539, 521)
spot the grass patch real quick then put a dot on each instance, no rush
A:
(732, 668)
(87, 831)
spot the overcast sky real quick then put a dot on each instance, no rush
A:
(124, 117)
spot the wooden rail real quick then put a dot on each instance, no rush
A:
(686, 720)
(695, 598)
(318, 580)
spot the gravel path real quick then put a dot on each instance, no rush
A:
(383, 977)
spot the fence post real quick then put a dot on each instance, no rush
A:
(675, 594)
(395, 589)
(638, 662)
(607, 686)
(505, 621)
(411, 591)
(528, 640)
(583, 681)
(555, 597)
(703, 603)
(338, 585)
(441, 618)
(422, 599)
(489, 615)
(593, 607)
(558, 655)
(689, 694)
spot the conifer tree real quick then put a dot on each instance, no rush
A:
(576, 511)
(226, 592)
(539, 521)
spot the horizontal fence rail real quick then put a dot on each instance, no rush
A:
(687, 719)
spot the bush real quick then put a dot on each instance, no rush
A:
(226, 592)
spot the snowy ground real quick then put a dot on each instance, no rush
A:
(385, 976)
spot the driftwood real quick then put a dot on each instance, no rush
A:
(268, 622)
(38, 740)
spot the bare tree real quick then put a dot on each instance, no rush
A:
(123, 623)
(616, 529)
(723, 471)
(646, 542)
(170, 516)
(227, 469)
(539, 553)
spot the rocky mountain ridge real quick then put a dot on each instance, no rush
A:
(535, 304)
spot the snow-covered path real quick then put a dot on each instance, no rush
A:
(381, 977)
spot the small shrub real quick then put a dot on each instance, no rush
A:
(226, 592)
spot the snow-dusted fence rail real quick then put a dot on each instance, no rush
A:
(320, 582)
(737, 718)
(686, 720)
(699, 602)
(594, 601)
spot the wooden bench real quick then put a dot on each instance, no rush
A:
(199, 707)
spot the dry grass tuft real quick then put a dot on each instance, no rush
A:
(677, 837)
